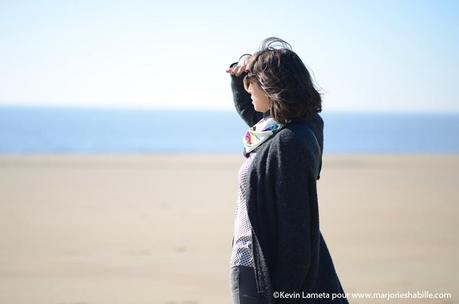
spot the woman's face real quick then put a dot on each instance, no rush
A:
(260, 100)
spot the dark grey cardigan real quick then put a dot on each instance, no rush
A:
(290, 254)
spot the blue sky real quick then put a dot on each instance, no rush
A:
(364, 55)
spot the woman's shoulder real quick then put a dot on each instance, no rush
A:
(286, 143)
(300, 133)
(299, 136)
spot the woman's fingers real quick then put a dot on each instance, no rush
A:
(238, 69)
(241, 69)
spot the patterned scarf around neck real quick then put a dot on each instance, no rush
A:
(260, 133)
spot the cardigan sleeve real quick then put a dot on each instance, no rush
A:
(242, 100)
(294, 196)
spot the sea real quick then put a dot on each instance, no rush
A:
(59, 130)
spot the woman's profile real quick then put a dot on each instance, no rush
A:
(278, 252)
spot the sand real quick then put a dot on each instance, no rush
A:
(158, 229)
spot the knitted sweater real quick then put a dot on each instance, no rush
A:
(289, 252)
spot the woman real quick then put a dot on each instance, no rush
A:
(278, 252)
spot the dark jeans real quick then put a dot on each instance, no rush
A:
(243, 286)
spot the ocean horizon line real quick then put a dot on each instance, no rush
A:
(218, 109)
(82, 130)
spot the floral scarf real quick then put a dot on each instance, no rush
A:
(260, 132)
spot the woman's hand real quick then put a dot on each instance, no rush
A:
(241, 67)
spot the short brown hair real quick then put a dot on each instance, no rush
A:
(286, 81)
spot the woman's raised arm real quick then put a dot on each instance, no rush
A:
(241, 97)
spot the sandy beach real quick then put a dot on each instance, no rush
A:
(158, 229)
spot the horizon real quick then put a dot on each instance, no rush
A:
(207, 109)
